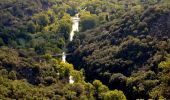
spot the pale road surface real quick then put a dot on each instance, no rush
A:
(64, 57)
(75, 27)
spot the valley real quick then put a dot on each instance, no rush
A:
(84, 50)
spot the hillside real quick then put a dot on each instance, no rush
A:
(45, 78)
(121, 52)
(31, 32)
(130, 53)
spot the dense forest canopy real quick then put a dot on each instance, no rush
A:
(128, 52)
(122, 49)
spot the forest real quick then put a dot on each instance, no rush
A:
(121, 51)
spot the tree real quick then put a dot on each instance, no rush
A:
(31, 27)
(162, 91)
(65, 25)
(88, 21)
(40, 49)
(99, 88)
(42, 19)
(12, 75)
(113, 95)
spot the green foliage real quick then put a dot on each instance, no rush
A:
(44, 79)
(126, 47)
(88, 21)
(40, 49)
(31, 27)
(65, 69)
(113, 95)
(129, 52)
(162, 90)
(12, 75)
(102, 92)
(65, 26)
(42, 20)
(99, 88)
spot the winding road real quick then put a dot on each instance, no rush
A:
(75, 27)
